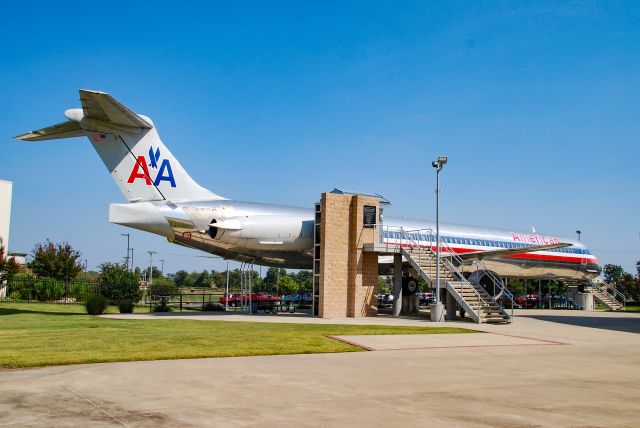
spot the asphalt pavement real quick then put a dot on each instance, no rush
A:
(549, 368)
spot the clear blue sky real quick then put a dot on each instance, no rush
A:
(536, 105)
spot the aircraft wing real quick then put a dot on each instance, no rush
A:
(62, 130)
(492, 254)
(103, 107)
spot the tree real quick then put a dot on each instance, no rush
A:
(219, 279)
(271, 277)
(234, 279)
(304, 278)
(59, 261)
(8, 267)
(256, 282)
(613, 273)
(164, 287)
(203, 279)
(385, 285)
(118, 283)
(182, 279)
(287, 285)
(630, 287)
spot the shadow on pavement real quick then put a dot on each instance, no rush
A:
(628, 325)
(14, 311)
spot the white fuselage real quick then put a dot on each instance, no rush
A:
(283, 236)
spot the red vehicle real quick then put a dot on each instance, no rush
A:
(527, 302)
(238, 299)
(231, 299)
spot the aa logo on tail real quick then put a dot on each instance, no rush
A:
(141, 170)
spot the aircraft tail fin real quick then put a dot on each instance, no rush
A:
(141, 165)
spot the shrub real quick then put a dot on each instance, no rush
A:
(213, 307)
(96, 305)
(81, 291)
(163, 287)
(20, 290)
(125, 306)
(162, 306)
(45, 289)
(117, 283)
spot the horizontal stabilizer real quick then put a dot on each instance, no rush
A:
(62, 130)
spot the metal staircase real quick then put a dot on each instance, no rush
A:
(608, 295)
(473, 298)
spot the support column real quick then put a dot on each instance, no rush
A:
(539, 294)
(397, 284)
(451, 306)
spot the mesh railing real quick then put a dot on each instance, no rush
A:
(48, 290)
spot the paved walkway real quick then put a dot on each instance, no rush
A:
(550, 368)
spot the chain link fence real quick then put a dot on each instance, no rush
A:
(48, 290)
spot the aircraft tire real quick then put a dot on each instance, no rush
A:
(410, 286)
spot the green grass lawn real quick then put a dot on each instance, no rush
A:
(632, 309)
(40, 334)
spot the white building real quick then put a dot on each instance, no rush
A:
(5, 219)
(5, 212)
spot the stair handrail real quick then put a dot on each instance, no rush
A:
(444, 259)
(448, 260)
(494, 278)
(604, 289)
(617, 293)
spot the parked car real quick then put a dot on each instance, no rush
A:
(307, 299)
(384, 299)
(529, 301)
(427, 298)
(506, 303)
(560, 302)
(232, 299)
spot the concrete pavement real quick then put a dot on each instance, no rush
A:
(550, 368)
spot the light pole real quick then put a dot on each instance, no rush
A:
(128, 249)
(226, 290)
(579, 232)
(162, 267)
(437, 312)
(150, 279)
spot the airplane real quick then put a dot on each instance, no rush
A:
(163, 199)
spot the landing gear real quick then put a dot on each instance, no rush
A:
(409, 286)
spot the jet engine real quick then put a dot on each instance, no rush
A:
(266, 232)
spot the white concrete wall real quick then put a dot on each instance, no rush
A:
(5, 212)
(5, 221)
